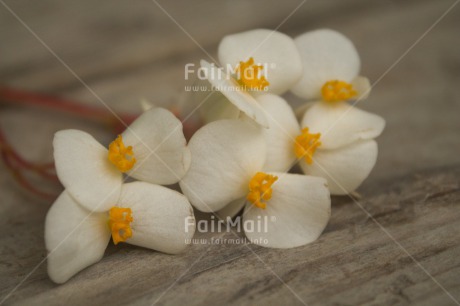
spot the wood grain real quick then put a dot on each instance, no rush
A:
(127, 50)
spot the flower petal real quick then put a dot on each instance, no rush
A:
(362, 86)
(281, 135)
(218, 108)
(297, 213)
(225, 156)
(341, 124)
(211, 105)
(159, 147)
(146, 105)
(326, 55)
(344, 168)
(232, 209)
(232, 91)
(163, 219)
(274, 50)
(83, 168)
(75, 238)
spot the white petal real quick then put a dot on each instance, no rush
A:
(344, 168)
(281, 135)
(146, 105)
(274, 50)
(341, 124)
(326, 55)
(75, 238)
(159, 147)
(225, 156)
(163, 219)
(232, 209)
(297, 213)
(211, 105)
(362, 86)
(218, 108)
(83, 168)
(233, 92)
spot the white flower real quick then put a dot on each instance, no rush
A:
(226, 174)
(152, 149)
(145, 215)
(333, 141)
(331, 66)
(336, 140)
(262, 61)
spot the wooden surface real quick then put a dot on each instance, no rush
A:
(400, 244)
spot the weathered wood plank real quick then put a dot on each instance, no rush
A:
(354, 261)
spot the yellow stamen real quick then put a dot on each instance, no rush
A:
(305, 145)
(248, 75)
(119, 221)
(334, 91)
(121, 156)
(260, 189)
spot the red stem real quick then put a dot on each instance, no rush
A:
(22, 180)
(14, 96)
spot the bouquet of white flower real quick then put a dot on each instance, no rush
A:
(239, 160)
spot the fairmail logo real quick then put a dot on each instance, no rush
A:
(229, 72)
(215, 225)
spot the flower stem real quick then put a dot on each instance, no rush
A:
(19, 97)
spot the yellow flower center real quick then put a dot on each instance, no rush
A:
(249, 75)
(260, 189)
(119, 221)
(119, 155)
(305, 145)
(334, 91)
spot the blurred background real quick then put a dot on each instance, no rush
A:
(119, 52)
